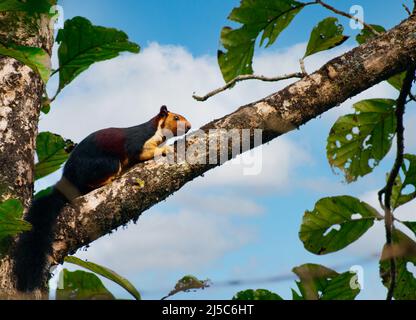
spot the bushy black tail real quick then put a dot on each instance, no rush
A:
(34, 246)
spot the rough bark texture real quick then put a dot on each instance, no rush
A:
(105, 209)
(20, 100)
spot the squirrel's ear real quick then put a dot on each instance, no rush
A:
(164, 111)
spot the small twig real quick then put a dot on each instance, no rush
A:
(55, 72)
(409, 12)
(388, 189)
(302, 67)
(347, 15)
(247, 77)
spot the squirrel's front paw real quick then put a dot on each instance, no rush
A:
(167, 150)
(164, 151)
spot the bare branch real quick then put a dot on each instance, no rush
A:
(409, 12)
(388, 189)
(347, 15)
(302, 67)
(114, 205)
(246, 77)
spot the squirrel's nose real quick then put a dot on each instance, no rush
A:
(188, 126)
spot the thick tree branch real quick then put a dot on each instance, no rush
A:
(105, 209)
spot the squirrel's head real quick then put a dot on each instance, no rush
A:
(172, 123)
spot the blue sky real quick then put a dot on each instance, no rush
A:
(223, 226)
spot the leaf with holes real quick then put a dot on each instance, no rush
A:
(326, 35)
(335, 223)
(31, 6)
(35, 58)
(268, 16)
(107, 273)
(52, 153)
(405, 257)
(358, 142)
(321, 283)
(82, 44)
(405, 191)
(259, 294)
(81, 285)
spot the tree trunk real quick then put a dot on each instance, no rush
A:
(21, 92)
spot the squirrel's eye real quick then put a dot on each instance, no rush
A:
(176, 118)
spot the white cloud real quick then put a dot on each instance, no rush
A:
(168, 241)
(224, 203)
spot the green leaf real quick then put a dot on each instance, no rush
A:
(35, 58)
(326, 35)
(400, 196)
(397, 80)
(268, 16)
(366, 34)
(411, 225)
(11, 223)
(188, 283)
(52, 153)
(320, 283)
(240, 46)
(31, 6)
(259, 294)
(358, 142)
(296, 296)
(82, 44)
(404, 254)
(335, 223)
(43, 193)
(46, 105)
(107, 273)
(81, 285)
